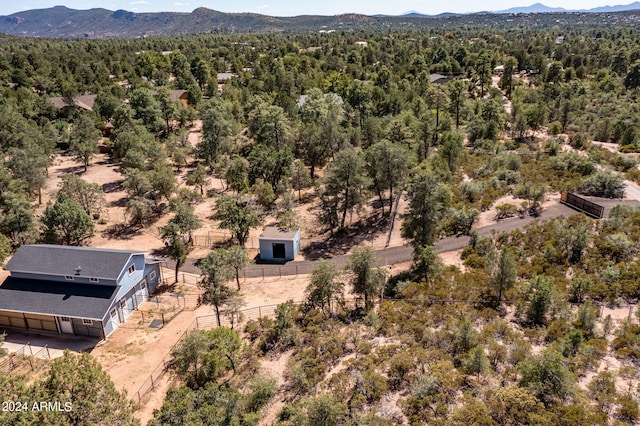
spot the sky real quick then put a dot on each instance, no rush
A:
(301, 7)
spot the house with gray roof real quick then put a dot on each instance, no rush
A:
(74, 290)
(85, 102)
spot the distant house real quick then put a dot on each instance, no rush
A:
(108, 129)
(278, 244)
(182, 96)
(85, 102)
(176, 95)
(362, 43)
(74, 290)
(223, 77)
(438, 79)
(498, 70)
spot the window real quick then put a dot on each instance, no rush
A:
(132, 269)
(87, 321)
(94, 280)
(123, 304)
(152, 275)
(68, 277)
(66, 319)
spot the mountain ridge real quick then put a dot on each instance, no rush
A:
(63, 22)
(533, 8)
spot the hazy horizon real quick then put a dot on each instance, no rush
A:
(290, 8)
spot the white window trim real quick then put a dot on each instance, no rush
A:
(152, 275)
(94, 280)
(132, 269)
(87, 321)
(69, 277)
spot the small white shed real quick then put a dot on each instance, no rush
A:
(279, 244)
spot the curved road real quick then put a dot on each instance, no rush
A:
(394, 255)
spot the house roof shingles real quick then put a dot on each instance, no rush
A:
(65, 260)
(83, 101)
(56, 298)
(273, 232)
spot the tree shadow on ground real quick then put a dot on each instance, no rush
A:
(120, 202)
(110, 187)
(361, 233)
(75, 170)
(121, 231)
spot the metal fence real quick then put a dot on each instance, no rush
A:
(200, 323)
(24, 356)
(162, 368)
(212, 238)
(238, 318)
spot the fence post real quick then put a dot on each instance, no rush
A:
(296, 270)
(48, 354)
(197, 324)
(31, 359)
(162, 318)
(142, 313)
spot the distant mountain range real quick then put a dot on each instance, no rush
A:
(534, 8)
(62, 22)
(541, 8)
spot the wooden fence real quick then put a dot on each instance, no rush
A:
(582, 204)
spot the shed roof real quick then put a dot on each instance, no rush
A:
(56, 298)
(273, 232)
(65, 260)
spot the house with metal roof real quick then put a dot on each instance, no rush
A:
(74, 290)
(438, 79)
(279, 244)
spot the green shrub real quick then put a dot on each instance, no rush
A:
(603, 184)
(628, 409)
